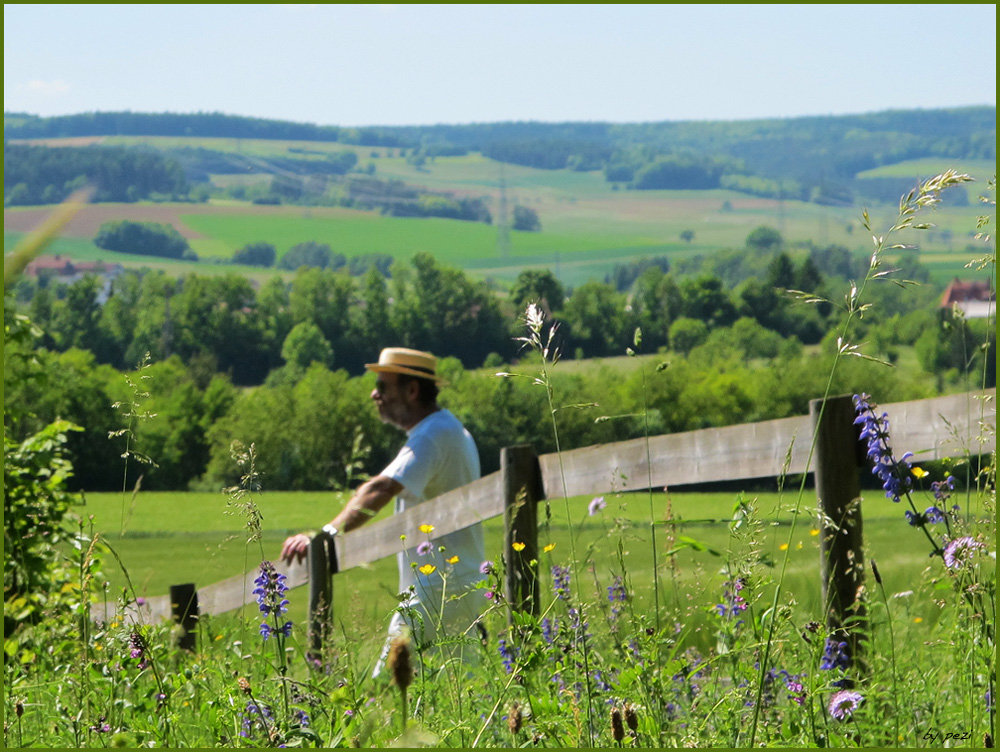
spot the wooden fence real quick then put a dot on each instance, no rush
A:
(952, 426)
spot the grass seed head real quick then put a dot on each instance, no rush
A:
(399, 662)
(617, 729)
(514, 718)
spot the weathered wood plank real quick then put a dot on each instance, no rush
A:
(943, 427)
(479, 501)
(754, 450)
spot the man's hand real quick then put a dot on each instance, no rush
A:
(295, 548)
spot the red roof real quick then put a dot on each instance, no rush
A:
(964, 292)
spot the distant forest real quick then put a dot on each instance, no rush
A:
(807, 158)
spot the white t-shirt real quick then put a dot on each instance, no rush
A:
(439, 456)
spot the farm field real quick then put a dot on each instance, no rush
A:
(587, 226)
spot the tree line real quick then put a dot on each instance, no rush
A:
(807, 158)
(282, 365)
(38, 175)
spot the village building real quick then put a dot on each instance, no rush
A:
(975, 299)
(60, 270)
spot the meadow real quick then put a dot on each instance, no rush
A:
(723, 642)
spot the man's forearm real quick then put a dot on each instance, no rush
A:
(367, 501)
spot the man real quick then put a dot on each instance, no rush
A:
(439, 455)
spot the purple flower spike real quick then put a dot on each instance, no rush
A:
(597, 504)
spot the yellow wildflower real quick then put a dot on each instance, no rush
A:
(517, 546)
(426, 528)
(452, 560)
(428, 569)
(548, 548)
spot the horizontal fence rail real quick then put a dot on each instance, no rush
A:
(952, 426)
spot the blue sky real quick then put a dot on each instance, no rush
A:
(424, 64)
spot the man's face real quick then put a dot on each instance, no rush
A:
(390, 399)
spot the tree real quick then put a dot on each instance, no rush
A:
(687, 236)
(595, 316)
(256, 254)
(686, 334)
(306, 345)
(526, 219)
(706, 300)
(764, 238)
(311, 253)
(537, 286)
(781, 272)
(144, 238)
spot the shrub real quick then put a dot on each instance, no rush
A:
(143, 238)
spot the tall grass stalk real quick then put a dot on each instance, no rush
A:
(134, 415)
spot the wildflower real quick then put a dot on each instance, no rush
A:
(617, 594)
(919, 473)
(517, 546)
(547, 630)
(486, 567)
(617, 729)
(425, 548)
(942, 489)
(596, 505)
(844, 703)
(814, 532)
(549, 548)
(835, 656)
(960, 550)
(256, 714)
(508, 654)
(733, 603)
(427, 569)
(895, 474)
(427, 529)
(137, 649)
(452, 560)
(244, 686)
(560, 581)
(270, 592)
(933, 514)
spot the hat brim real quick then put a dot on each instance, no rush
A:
(382, 368)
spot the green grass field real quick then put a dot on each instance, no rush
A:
(173, 538)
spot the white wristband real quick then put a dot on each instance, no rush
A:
(330, 530)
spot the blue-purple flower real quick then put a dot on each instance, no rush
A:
(617, 595)
(733, 603)
(960, 551)
(835, 655)
(486, 567)
(844, 703)
(425, 548)
(895, 474)
(270, 592)
(596, 505)
(508, 653)
(560, 581)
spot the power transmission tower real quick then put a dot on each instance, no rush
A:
(503, 228)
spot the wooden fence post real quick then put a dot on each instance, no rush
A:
(184, 609)
(838, 491)
(522, 490)
(322, 561)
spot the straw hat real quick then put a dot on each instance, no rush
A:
(410, 362)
